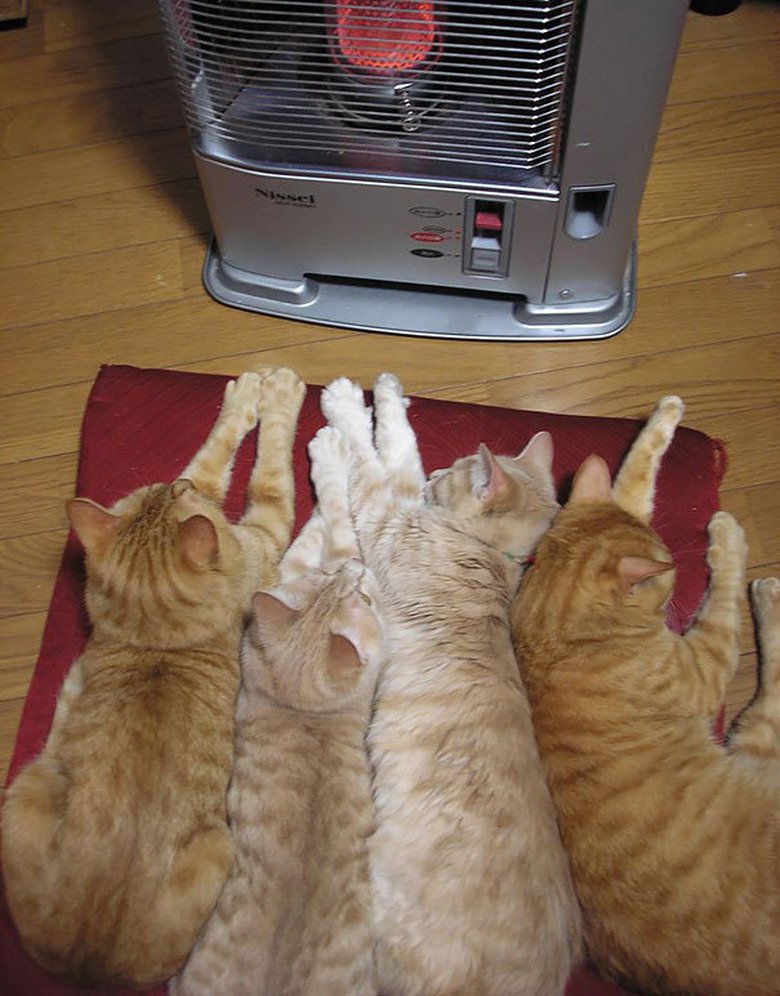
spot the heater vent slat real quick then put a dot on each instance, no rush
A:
(376, 87)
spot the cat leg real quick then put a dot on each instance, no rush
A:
(756, 730)
(271, 493)
(210, 468)
(395, 440)
(710, 649)
(304, 555)
(370, 494)
(329, 453)
(182, 906)
(634, 487)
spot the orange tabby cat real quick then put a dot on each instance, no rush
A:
(114, 842)
(295, 916)
(674, 841)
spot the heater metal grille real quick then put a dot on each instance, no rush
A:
(448, 89)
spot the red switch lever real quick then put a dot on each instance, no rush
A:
(489, 220)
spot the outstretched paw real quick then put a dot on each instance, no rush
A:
(341, 397)
(765, 596)
(387, 387)
(240, 400)
(328, 448)
(727, 546)
(281, 393)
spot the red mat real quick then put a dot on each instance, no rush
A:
(143, 426)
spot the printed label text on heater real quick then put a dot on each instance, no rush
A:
(296, 200)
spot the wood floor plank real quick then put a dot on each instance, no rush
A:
(737, 242)
(83, 285)
(18, 653)
(84, 171)
(31, 564)
(105, 222)
(717, 184)
(10, 714)
(722, 379)
(87, 69)
(70, 24)
(33, 493)
(88, 118)
(709, 127)
(710, 73)
(46, 423)
(755, 20)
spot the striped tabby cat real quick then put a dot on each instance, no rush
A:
(294, 918)
(674, 841)
(471, 888)
(114, 840)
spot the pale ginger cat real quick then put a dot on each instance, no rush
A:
(294, 918)
(114, 840)
(471, 887)
(674, 840)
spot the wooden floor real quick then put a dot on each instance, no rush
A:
(102, 233)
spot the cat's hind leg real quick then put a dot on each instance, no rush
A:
(708, 652)
(395, 440)
(270, 507)
(756, 730)
(634, 487)
(211, 467)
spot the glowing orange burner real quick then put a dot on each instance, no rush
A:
(385, 36)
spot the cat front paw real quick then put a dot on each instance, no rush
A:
(727, 544)
(240, 400)
(388, 389)
(281, 392)
(328, 448)
(341, 397)
(765, 596)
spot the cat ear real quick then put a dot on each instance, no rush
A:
(198, 541)
(538, 451)
(632, 570)
(488, 479)
(343, 655)
(269, 608)
(92, 523)
(592, 482)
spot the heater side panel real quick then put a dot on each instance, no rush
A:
(626, 55)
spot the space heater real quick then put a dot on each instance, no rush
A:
(445, 168)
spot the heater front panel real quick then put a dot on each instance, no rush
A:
(286, 227)
(445, 90)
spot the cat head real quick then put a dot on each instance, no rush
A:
(317, 642)
(508, 502)
(598, 566)
(159, 563)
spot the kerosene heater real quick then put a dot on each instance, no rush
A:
(446, 168)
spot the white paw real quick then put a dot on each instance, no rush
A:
(672, 407)
(341, 396)
(388, 385)
(328, 447)
(241, 398)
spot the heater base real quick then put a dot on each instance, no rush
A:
(408, 309)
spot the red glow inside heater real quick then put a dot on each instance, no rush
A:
(383, 36)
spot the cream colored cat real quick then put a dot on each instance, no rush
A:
(114, 840)
(294, 918)
(471, 887)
